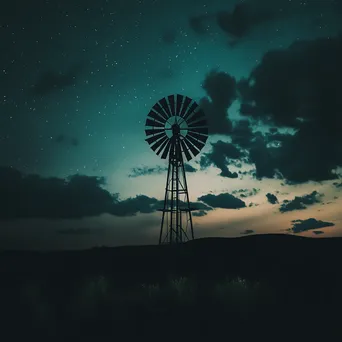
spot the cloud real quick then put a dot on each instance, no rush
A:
(238, 23)
(51, 81)
(219, 156)
(245, 192)
(247, 231)
(224, 200)
(32, 196)
(261, 157)
(300, 203)
(64, 139)
(221, 89)
(242, 134)
(133, 205)
(272, 198)
(244, 18)
(197, 23)
(297, 88)
(337, 185)
(318, 232)
(199, 213)
(189, 168)
(196, 206)
(309, 224)
(143, 171)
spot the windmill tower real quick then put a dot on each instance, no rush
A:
(175, 128)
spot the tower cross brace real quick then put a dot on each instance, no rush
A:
(176, 224)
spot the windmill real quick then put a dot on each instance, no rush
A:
(176, 127)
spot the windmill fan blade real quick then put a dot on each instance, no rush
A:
(190, 110)
(198, 115)
(171, 99)
(156, 116)
(195, 142)
(152, 123)
(155, 137)
(153, 131)
(203, 130)
(193, 150)
(186, 151)
(158, 143)
(198, 136)
(166, 150)
(165, 106)
(159, 109)
(162, 146)
(179, 104)
(186, 104)
(198, 124)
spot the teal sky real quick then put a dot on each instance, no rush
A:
(122, 57)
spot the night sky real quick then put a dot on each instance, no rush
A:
(78, 78)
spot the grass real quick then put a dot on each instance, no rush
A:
(96, 304)
(97, 308)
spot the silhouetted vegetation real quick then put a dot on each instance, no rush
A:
(207, 289)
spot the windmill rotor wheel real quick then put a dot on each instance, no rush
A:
(176, 116)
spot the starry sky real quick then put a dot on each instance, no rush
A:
(78, 78)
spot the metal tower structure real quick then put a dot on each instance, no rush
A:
(175, 128)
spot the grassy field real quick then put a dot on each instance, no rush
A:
(95, 308)
(200, 294)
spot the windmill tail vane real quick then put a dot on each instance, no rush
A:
(176, 127)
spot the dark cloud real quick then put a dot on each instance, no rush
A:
(196, 206)
(219, 156)
(242, 134)
(199, 213)
(198, 24)
(143, 171)
(309, 224)
(221, 89)
(246, 192)
(299, 88)
(318, 232)
(243, 19)
(272, 198)
(133, 205)
(236, 163)
(32, 196)
(249, 172)
(80, 231)
(261, 157)
(247, 231)
(300, 203)
(51, 81)
(239, 22)
(189, 168)
(66, 140)
(224, 200)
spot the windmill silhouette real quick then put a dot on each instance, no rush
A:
(176, 127)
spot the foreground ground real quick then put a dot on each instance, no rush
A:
(253, 287)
